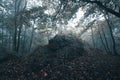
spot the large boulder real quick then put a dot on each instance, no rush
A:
(60, 47)
(61, 41)
(68, 46)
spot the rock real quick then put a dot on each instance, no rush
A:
(70, 47)
(60, 46)
(61, 41)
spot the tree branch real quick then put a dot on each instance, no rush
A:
(104, 7)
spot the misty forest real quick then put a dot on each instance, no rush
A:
(59, 39)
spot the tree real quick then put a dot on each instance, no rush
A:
(111, 33)
(104, 4)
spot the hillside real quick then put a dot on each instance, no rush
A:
(68, 61)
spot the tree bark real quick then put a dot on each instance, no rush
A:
(111, 33)
(93, 37)
(107, 46)
(31, 36)
(19, 34)
(15, 30)
(103, 42)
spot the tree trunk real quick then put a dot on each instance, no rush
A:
(2, 36)
(103, 42)
(93, 37)
(107, 46)
(31, 36)
(112, 37)
(24, 42)
(15, 30)
(19, 34)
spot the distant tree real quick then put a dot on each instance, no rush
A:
(111, 33)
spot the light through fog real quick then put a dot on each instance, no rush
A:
(71, 23)
(74, 22)
(33, 3)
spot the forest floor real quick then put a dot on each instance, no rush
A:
(92, 65)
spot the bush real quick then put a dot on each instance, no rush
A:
(6, 54)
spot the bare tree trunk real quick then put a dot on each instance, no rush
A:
(103, 42)
(9, 40)
(111, 33)
(31, 36)
(21, 23)
(6, 38)
(93, 37)
(15, 30)
(107, 46)
(24, 42)
(2, 36)
(19, 34)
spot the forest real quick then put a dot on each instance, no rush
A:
(59, 39)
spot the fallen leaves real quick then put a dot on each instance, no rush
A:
(86, 67)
